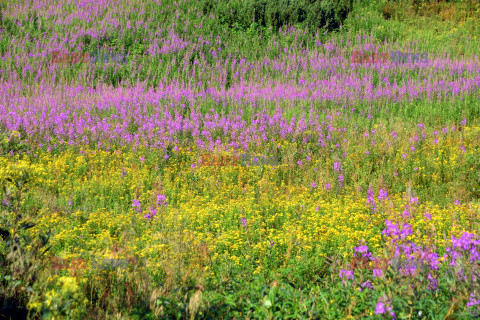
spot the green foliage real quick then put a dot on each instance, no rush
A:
(20, 252)
(317, 14)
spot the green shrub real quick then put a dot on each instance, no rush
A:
(317, 14)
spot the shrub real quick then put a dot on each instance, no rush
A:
(317, 14)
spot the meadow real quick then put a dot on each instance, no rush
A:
(112, 208)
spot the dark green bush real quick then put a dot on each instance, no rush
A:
(317, 14)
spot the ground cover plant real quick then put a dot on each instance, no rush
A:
(125, 192)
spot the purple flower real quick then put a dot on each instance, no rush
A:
(327, 186)
(377, 273)
(314, 185)
(433, 283)
(346, 275)
(136, 203)
(393, 231)
(367, 284)
(383, 306)
(340, 180)
(361, 249)
(371, 199)
(337, 166)
(161, 200)
(382, 194)
(473, 301)
(152, 213)
(244, 222)
(380, 309)
(364, 251)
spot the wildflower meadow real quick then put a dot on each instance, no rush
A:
(263, 159)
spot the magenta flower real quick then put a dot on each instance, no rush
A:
(161, 200)
(340, 180)
(377, 273)
(371, 199)
(382, 194)
(383, 306)
(136, 203)
(346, 275)
(337, 166)
(152, 213)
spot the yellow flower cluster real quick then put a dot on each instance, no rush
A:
(96, 203)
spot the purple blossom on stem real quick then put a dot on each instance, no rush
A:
(382, 194)
(377, 273)
(136, 203)
(367, 284)
(161, 200)
(364, 251)
(346, 275)
(244, 222)
(371, 199)
(383, 306)
(337, 166)
(152, 213)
